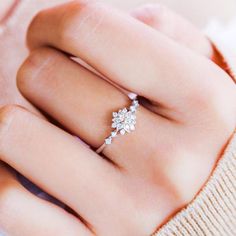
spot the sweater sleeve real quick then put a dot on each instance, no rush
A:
(213, 211)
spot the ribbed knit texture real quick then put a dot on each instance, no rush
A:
(213, 211)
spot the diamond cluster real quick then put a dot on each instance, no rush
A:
(123, 121)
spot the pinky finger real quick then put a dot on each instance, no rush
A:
(174, 26)
(23, 214)
(180, 30)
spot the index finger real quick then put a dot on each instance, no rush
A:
(129, 53)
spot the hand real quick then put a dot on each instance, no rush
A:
(150, 190)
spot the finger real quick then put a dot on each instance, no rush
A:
(69, 171)
(46, 155)
(42, 80)
(102, 37)
(22, 213)
(174, 26)
(84, 96)
(179, 29)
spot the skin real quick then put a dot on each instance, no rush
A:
(150, 176)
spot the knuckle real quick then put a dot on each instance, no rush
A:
(78, 9)
(37, 18)
(76, 17)
(8, 205)
(8, 186)
(224, 109)
(217, 108)
(36, 67)
(70, 18)
(8, 114)
(153, 14)
(64, 15)
(34, 25)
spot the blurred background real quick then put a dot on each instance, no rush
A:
(197, 11)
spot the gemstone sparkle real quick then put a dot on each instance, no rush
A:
(123, 121)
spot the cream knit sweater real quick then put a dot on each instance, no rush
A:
(213, 211)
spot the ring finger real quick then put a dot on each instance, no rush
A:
(83, 103)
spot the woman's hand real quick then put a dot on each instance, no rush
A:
(144, 177)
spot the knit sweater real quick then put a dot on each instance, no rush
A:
(213, 211)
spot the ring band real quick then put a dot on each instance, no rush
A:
(123, 122)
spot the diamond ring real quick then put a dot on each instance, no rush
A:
(123, 122)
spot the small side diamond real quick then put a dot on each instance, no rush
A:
(113, 134)
(108, 141)
(115, 114)
(128, 114)
(132, 127)
(124, 110)
(118, 120)
(133, 108)
(127, 128)
(113, 125)
(120, 126)
(129, 121)
(122, 132)
(135, 104)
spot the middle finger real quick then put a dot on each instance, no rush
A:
(131, 54)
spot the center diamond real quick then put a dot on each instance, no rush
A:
(124, 121)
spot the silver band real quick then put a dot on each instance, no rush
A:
(123, 122)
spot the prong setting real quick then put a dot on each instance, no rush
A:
(123, 121)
